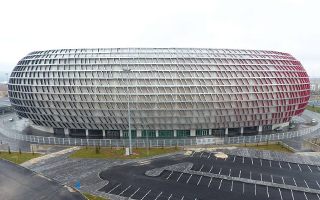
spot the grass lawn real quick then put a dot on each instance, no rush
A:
(314, 109)
(114, 153)
(92, 197)
(16, 157)
(270, 147)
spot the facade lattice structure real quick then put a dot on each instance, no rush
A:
(169, 89)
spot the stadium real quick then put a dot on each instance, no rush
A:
(169, 92)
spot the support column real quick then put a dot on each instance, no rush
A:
(210, 131)
(226, 132)
(157, 133)
(121, 133)
(139, 133)
(66, 132)
(192, 132)
(174, 133)
(241, 131)
(103, 133)
(87, 133)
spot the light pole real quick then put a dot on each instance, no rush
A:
(129, 117)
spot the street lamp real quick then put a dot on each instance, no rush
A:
(129, 117)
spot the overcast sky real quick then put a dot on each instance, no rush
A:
(290, 26)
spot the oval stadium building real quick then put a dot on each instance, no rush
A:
(170, 92)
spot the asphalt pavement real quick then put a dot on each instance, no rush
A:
(19, 183)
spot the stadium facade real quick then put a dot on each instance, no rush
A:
(172, 92)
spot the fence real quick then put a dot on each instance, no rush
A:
(173, 142)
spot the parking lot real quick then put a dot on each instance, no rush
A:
(130, 180)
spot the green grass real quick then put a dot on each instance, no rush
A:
(270, 147)
(92, 197)
(314, 108)
(18, 158)
(114, 153)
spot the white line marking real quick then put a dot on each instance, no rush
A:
(229, 172)
(283, 180)
(134, 192)
(268, 191)
(318, 168)
(306, 183)
(242, 188)
(299, 167)
(305, 195)
(280, 193)
(169, 197)
(201, 154)
(260, 162)
(260, 177)
(199, 180)
(182, 198)
(158, 196)
(220, 183)
(292, 195)
(125, 190)
(242, 159)
(309, 168)
(255, 189)
(318, 196)
(189, 178)
(231, 186)
(220, 171)
(270, 163)
(193, 154)
(211, 169)
(318, 184)
(294, 180)
(240, 173)
(289, 165)
(179, 176)
(210, 182)
(280, 165)
(271, 178)
(209, 155)
(146, 194)
(114, 188)
(234, 158)
(201, 168)
(250, 175)
(169, 175)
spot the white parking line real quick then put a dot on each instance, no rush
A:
(268, 192)
(169, 175)
(280, 165)
(299, 167)
(251, 161)
(229, 172)
(182, 198)
(210, 182)
(305, 195)
(283, 180)
(240, 173)
(209, 155)
(318, 184)
(250, 174)
(234, 158)
(255, 190)
(193, 154)
(260, 177)
(134, 192)
(231, 186)
(318, 196)
(146, 194)
(271, 178)
(242, 159)
(280, 193)
(270, 163)
(260, 162)
(289, 165)
(201, 154)
(306, 183)
(169, 197)
(220, 184)
(292, 195)
(199, 180)
(318, 168)
(220, 171)
(294, 180)
(201, 168)
(242, 188)
(211, 169)
(125, 190)
(179, 176)
(158, 196)
(309, 168)
(114, 188)
(189, 178)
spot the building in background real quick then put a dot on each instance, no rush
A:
(172, 92)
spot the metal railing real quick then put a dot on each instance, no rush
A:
(157, 142)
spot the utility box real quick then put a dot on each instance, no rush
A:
(127, 151)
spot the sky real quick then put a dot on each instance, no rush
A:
(290, 26)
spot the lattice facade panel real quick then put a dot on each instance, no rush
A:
(168, 89)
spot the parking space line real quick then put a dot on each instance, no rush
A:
(234, 158)
(306, 183)
(251, 161)
(220, 184)
(305, 196)
(169, 175)
(299, 167)
(280, 165)
(114, 188)
(201, 168)
(189, 178)
(318, 168)
(255, 189)
(271, 178)
(201, 154)
(260, 162)
(229, 172)
(182, 198)
(179, 176)
(210, 182)
(199, 180)
(250, 175)
(242, 159)
(158, 196)
(220, 171)
(211, 169)
(289, 165)
(209, 155)
(318, 184)
(294, 180)
(146, 194)
(260, 177)
(240, 173)
(292, 195)
(242, 188)
(193, 154)
(268, 192)
(318, 196)
(309, 168)
(283, 180)
(125, 190)
(280, 193)
(168, 197)
(134, 193)
(270, 163)
(231, 186)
